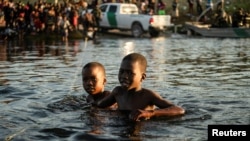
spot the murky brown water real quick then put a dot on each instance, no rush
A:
(42, 98)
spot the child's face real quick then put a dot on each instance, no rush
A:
(93, 80)
(130, 75)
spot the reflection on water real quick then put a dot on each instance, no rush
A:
(12, 51)
(42, 98)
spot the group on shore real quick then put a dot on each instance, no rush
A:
(41, 17)
(18, 18)
(45, 17)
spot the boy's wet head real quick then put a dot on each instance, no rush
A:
(136, 57)
(92, 65)
(93, 78)
(132, 71)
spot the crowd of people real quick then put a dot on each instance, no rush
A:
(43, 16)
(216, 13)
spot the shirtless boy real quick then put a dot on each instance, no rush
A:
(94, 81)
(130, 96)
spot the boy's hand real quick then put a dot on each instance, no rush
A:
(138, 114)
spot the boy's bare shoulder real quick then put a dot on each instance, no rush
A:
(90, 98)
(149, 92)
(117, 90)
(106, 93)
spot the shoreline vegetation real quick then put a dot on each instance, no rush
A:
(230, 7)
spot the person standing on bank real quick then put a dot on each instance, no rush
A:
(89, 31)
(190, 6)
(175, 12)
(65, 26)
(97, 17)
(199, 7)
(209, 4)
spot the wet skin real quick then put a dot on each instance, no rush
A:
(130, 96)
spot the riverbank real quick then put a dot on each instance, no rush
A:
(184, 16)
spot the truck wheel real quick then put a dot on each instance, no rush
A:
(137, 30)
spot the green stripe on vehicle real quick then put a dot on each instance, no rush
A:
(112, 19)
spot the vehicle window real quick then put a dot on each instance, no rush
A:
(113, 8)
(129, 9)
(103, 8)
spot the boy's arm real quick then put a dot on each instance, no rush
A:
(107, 101)
(165, 108)
(147, 114)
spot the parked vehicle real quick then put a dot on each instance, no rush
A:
(126, 17)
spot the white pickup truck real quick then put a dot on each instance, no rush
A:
(126, 17)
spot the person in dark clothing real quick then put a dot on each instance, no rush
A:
(191, 6)
(87, 21)
(97, 17)
(199, 7)
(9, 16)
(237, 18)
(89, 26)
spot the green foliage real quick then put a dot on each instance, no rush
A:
(233, 5)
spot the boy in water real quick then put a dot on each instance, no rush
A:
(130, 96)
(94, 80)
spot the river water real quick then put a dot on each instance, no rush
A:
(42, 98)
